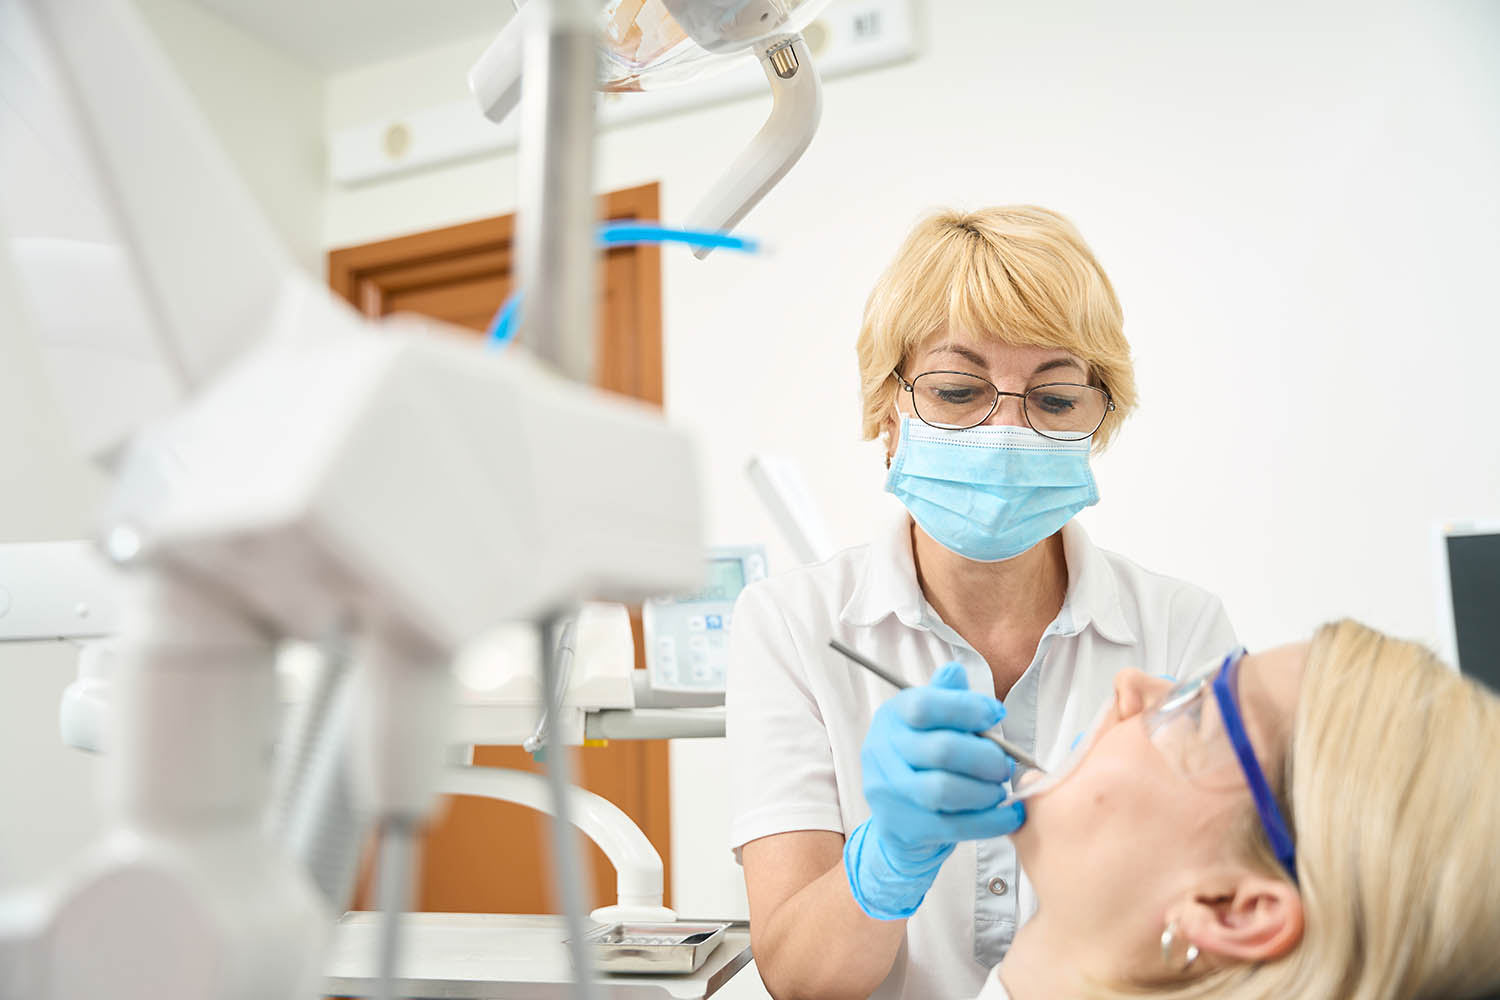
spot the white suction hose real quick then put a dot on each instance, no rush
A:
(638, 867)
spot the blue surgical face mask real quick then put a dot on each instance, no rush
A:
(989, 493)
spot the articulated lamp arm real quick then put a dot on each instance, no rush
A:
(797, 106)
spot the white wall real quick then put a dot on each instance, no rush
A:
(268, 113)
(1297, 205)
(264, 107)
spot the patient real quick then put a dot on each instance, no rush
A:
(1369, 869)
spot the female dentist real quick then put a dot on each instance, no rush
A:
(868, 822)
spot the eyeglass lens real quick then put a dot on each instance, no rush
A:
(955, 400)
(1186, 728)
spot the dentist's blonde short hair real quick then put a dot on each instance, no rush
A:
(1018, 274)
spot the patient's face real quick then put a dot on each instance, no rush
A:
(1126, 831)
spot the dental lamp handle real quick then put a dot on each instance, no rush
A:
(495, 78)
(797, 105)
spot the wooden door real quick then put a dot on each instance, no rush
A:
(483, 856)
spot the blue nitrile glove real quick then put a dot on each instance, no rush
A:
(930, 782)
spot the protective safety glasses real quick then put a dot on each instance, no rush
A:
(1204, 739)
(1198, 727)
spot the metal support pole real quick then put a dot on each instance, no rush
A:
(567, 860)
(555, 231)
(556, 268)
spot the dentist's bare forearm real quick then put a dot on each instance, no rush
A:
(819, 945)
(810, 939)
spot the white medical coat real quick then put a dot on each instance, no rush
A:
(994, 989)
(798, 713)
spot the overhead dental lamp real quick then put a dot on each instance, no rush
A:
(652, 44)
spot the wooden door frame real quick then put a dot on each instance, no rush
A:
(630, 364)
(363, 275)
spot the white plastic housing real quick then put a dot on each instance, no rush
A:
(184, 896)
(495, 78)
(415, 480)
(728, 25)
(83, 713)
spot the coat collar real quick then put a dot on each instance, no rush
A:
(888, 586)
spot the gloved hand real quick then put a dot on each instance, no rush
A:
(930, 782)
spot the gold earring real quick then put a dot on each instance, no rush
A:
(1167, 937)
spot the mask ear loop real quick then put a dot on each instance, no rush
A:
(893, 433)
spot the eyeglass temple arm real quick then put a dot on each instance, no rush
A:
(1260, 789)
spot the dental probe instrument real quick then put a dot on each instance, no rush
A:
(1016, 753)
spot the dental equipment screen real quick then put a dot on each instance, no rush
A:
(1473, 558)
(687, 638)
(726, 578)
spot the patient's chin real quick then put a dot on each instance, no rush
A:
(1051, 820)
(1031, 831)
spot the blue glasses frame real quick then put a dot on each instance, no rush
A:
(1226, 687)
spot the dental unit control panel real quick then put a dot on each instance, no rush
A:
(687, 637)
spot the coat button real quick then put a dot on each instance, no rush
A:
(998, 886)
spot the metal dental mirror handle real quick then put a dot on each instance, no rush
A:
(1016, 753)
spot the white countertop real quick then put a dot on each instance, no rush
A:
(482, 956)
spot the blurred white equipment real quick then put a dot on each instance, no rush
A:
(277, 481)
(653, 43)
(1469, 596)
(487, 955)
(65, 591)
(56, 590)
(783, 489)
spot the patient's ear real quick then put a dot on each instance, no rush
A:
(1256, 919)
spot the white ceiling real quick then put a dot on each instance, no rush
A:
(335, 35)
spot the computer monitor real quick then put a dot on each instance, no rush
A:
(1469, 590)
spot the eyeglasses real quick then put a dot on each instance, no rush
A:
(1205, 745)
(1063, 411)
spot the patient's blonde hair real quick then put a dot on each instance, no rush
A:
(1396, 812)
(1018, 274)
